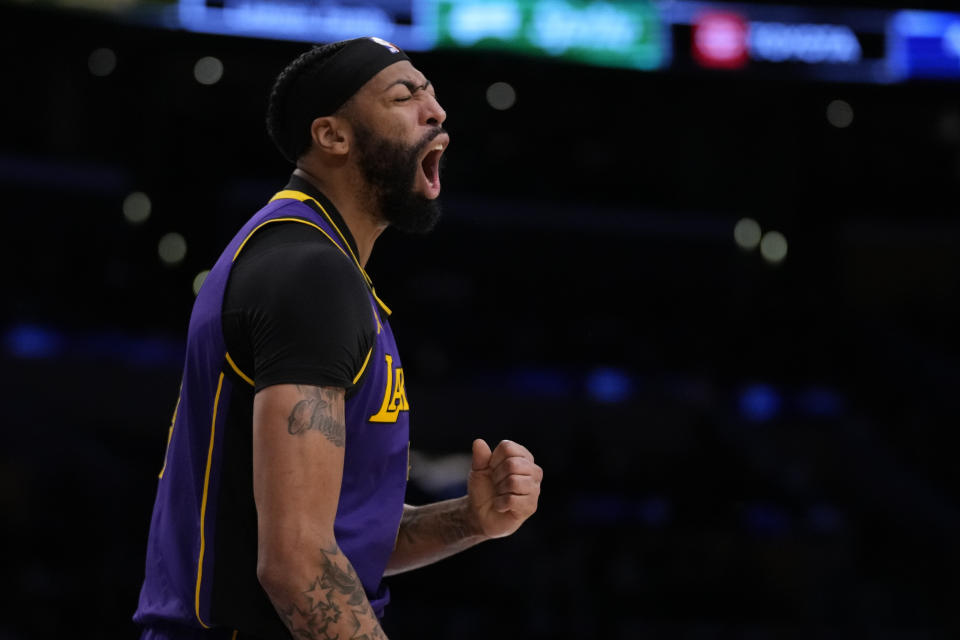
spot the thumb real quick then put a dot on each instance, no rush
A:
(481, 455)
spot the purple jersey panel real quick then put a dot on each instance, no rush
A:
(180, 577)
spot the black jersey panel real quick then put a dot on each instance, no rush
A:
(237, 599)
(297, 310)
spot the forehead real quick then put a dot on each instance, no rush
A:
(389, 76)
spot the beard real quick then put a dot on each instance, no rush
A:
(390, 169)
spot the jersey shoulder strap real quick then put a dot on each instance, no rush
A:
(342, 244)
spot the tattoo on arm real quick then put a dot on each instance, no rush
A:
(321, 409)
(446, 523)
(334, 603)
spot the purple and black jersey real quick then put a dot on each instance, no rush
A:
(202, 548)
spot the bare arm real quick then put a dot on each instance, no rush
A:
(298, 447)
(503, 490)
(433, 532)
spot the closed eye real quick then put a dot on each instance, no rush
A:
(412, 88)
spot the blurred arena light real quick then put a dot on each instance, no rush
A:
(773, 247)
(607, 508)
(609, 386)
(767, 519)
(824, 518)
(31, 341)
(924, 44)
(442, 476)
(747, 234)
(820, 402)
(501, 96)
(542, 382)
(208, 70)
(840, 114)
(102, 62)
(136, 207)
(720, 40)
(172, 248)
(655, 511)
(760, 403)
(198, 281)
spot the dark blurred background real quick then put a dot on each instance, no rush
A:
(741, 438)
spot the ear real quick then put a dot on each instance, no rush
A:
(330, 134)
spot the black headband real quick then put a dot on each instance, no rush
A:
(321, 91)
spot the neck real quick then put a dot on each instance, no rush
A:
(353, 207)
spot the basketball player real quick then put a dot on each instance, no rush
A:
(280, 502)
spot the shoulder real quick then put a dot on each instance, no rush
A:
(287, 265)
(292, 249)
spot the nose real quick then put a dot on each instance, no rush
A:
(433, 113)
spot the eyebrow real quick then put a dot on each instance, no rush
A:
(409, 85)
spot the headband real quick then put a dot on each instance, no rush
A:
(321, 91)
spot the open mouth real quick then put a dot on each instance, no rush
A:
(431, 165)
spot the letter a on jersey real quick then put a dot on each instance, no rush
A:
(394, 396)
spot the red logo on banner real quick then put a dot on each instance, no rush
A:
(720, 40)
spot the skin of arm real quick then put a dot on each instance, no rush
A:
(503, 490)
(298, 450)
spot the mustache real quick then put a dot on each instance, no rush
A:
(427, 139)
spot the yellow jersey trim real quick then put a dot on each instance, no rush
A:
(363, 367)
(236, 369)
(380, 302)
(301, 220)
(173, 421)
(302, 197)
(376, 316)
(203, 502)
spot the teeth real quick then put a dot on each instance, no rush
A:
(439, 147)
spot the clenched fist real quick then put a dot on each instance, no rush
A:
(503, 487)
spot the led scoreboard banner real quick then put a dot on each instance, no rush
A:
(817, 43)
(619, 34)
(306, 20)
(624, 34)
(820, 44)
(924, 45)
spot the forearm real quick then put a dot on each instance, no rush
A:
(322, 601)
(432, 532)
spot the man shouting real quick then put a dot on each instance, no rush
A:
(280, 505)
